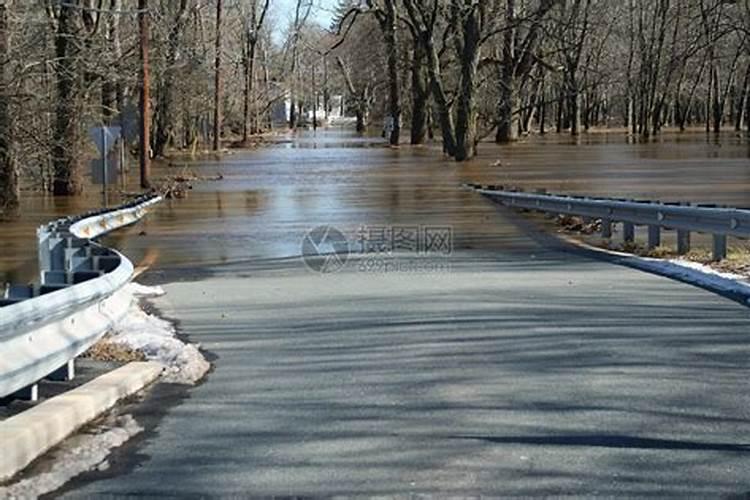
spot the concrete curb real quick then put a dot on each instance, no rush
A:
(28, 435)
(713, 282)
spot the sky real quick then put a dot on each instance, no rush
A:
(321, 13)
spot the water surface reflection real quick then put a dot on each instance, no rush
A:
(268, 198)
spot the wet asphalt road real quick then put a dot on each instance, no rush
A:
(509, 367)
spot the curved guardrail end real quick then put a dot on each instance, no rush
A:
(78, 299)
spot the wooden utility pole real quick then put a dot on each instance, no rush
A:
(217, 83)
(143, 21)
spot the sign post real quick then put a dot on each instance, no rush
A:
(104, 171)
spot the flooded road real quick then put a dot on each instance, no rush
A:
(517, 369)
(270, 197)
(692, 167)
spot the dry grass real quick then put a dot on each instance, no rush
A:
(700, 255)
(737, 261)
(660, 252)
(631, 247)
(106, 350)
(574, 224)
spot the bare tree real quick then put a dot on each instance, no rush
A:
(164, 120)
(66, 150)
(424, 15)
(9, 194)
(217, 80)
(387, 17)
(301, 13)
(112, 87)
(145, 87)
(520, 37)
(574, 32)
(362, 94)
(420, 87)
(253, 27)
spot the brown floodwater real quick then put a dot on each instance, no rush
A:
(270, 197)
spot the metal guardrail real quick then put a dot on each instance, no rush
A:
(682, 217)
(43, 328)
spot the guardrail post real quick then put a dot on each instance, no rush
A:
(720, 247)
(64, 373)
(683, 242)
(654, 237)
(28, 393)
(606, 228)
(628, 229)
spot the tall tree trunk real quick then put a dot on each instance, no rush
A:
(742, 101)
(389, 26)
(326, 90)
(560, 110)
(716, 98)
(363, 110)
(217, 80)
(66, 138)
(292, 112)
(543, 107)
(249, 77)
(145, 101)
(445, 113)
(362, 97)
(360, 113)
(509, 112)
(251, 36)
(517, 62)
(164, 119)
(423, 20)
(9, 193)
(466, 112)
(420, 95)
(508, 109)
(679, 119)
(574, 107)
(111, 85)
(733, 97)
(292, 90)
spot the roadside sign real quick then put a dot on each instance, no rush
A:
(104, 138)
(112, 166)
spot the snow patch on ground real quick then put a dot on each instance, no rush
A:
(682, 269)
(696, 273)
(157, 340)
(80, 454)
(138, 290)
(708, 269)
(701, 275)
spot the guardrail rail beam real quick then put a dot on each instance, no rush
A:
(79, 298)
(720, 222)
